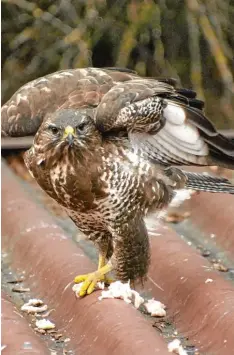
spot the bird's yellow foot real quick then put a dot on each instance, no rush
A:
(90, 280)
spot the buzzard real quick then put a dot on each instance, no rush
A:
(108, 145)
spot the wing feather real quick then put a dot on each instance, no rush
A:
(187, 138)
(75, 88)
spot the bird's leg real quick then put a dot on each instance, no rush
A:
(103, 242)
(101, 264)
(101, 261)
(90, 280)
(105, 251)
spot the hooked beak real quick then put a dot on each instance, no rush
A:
(69, 135)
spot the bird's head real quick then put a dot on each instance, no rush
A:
(67, 131)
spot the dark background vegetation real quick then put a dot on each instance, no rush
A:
(190, 40)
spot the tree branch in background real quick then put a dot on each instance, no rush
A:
(218, 55)
(216, 50)
(195, 54)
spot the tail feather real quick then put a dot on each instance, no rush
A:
(208, 183)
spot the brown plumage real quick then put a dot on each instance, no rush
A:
(105, 144)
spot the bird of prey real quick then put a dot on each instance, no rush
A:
(108, 145)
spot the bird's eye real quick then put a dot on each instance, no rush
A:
(81, 126)
(54, 130)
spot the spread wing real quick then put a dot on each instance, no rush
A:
(184, 136)
(75, 88)
(174, 129)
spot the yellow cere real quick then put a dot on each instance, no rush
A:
(69, 130)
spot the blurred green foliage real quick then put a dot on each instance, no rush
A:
(191, 40)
